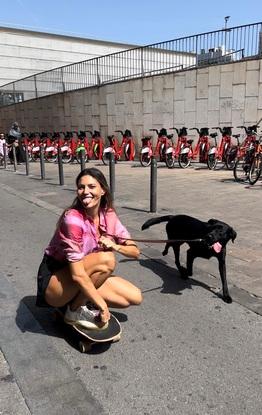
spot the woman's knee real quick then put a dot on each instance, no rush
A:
(137, 297)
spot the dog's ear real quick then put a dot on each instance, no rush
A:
(212, 221)
(233, 234)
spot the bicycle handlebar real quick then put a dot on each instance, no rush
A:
(194, 128)
(153, 129)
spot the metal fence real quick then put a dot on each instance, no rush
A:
(221, 46)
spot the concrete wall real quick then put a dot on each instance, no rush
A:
(222, 95)
(24, 52)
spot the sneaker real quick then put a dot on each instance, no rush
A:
(84, 317)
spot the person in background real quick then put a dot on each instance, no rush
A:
(15, 137)
(77, 270)
(2, 143)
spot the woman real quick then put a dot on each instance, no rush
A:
(79, 261)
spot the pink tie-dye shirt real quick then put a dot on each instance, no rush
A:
(76, 234)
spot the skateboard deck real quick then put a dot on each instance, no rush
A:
(90, 337)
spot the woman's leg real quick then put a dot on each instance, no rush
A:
(62, 289)
(120, 293)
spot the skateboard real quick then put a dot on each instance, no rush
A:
(89, 337)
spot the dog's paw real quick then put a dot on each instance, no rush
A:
(227, 299)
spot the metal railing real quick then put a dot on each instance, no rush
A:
(221, 46)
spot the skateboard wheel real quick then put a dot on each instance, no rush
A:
(84, 347)
(116, 339)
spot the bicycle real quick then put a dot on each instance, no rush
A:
(163, 143)
(255, 170)
(127, 147)
(173, 151)
(203, 145)
(51, 147)
(234, 152)
(243, 164)
(146, 151)
(113, 148)
(218, 153)
(96, 147)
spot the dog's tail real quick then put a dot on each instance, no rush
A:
(154, 221)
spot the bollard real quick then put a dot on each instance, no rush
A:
(42, 163)
(5, 156)
(153, 185)
(60, 167)
(82, 159)
(14, 155)
(112, 177)
(26, 160)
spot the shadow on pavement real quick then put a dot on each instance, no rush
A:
(172, 282)
(51, 325)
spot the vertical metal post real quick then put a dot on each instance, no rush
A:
(42, 163)
(153, 185)
(5, 156)
(82, 159)
(112, 177)
(36, 94)
(26, 160)
(60, 167)
(14, 155)
(97, 72)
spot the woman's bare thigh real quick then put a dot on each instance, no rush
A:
(62, 289)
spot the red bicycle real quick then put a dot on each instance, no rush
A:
(163, 143)
(203, 145)
(146, 151)
(179, 150)
(127, 146)
(238, 151)
(218, 153)
(113, 148)
(96, 147)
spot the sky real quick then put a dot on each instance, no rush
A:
(137, 22)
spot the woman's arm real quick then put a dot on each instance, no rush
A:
(128, 249)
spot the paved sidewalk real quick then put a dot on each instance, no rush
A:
(40, 373)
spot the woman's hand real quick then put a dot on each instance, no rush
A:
(105, 315)
(108, 243)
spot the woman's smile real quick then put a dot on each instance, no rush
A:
(89, 192)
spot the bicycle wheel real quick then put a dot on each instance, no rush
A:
(106, 158)
(184, 161)
(241, 171)
(170, 161)
(145, 159)
(211, 161)
(230, 161)
(78, 157)
(50, 157)
(255, 169)
(66, 157)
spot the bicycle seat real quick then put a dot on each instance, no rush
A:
(236, 135)
(213, 135)
(190, 141)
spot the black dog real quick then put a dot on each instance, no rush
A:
(205, 239)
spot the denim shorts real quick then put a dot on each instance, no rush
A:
(47, 268)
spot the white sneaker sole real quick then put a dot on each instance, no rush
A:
(85, 324)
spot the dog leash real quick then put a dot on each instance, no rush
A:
(154, 241)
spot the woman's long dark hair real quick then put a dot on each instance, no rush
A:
(106, 199)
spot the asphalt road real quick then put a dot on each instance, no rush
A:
(183, 351)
